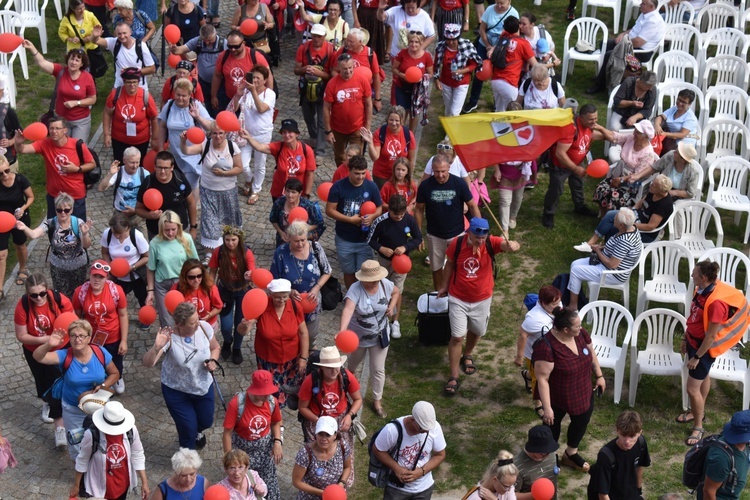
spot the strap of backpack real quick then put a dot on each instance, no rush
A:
(407, 138)
(381, 134)
(53, 101)
(205, 152)
(79, 150)
(459, 241)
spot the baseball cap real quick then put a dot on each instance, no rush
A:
(479, 226)
(424, 414)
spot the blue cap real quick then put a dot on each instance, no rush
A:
(737, 430)
(542, 46)
(479, 226)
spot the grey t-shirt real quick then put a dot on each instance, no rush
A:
(369, 313)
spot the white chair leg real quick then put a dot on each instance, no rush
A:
(747, 228)
(58, 10)
(641, 304)
(565, 69)
(43, 36)
(593, 291)
(24, 63)
(626, 295)
(683, 380)
(619, 376)
(633, 387)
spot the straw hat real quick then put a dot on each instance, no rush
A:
(371, 270)
(331, 358)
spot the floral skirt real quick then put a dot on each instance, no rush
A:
(283, 374)
(261, 461)
(614, 198)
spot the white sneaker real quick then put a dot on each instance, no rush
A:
(512, 223)
(583, 247)
(119, 386)
(60, 440)
(395, 330)
(427, 260)
(45, 414)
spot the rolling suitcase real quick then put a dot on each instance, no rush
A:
(432, 321)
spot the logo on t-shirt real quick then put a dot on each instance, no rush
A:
(128, 112)
(351, 94)
(258, 424)
(42, 324)
(115, 455)
(393, 146)
(97, 310)
(471, 266)
(237, 75)
(199, 305)
(60, 161)
(408, 455)
(329, 402)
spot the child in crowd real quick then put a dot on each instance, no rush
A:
(400, 183)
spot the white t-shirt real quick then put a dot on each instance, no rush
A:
(397, 19)
(259, 123)
(127, 192)
(222, 160)
(128, 58)
(508, 495)
(651, 28)
(457, 168)
(410, 446)
(545, 99)
(125, 249)
(369, 316)
(536, 320)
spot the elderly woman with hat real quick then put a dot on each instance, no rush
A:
(281, 340)
(111, 458)
(253, 424)
(184, 69)
(680, 167)
(677, 124)
(185, 482)
(325, 461)
(536, 460)
(616, 190)
(368, 305)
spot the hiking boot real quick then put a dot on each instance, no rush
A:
(226, 350)
(200, 441)
(237, 356)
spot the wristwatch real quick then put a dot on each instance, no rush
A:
(79, 103)
(193, 226)
(80, 169)
(328, 131)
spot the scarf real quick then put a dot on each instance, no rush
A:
(466, 52)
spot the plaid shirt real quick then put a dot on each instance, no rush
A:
(466, 52)
(570, 384)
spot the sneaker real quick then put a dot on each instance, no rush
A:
(570, 14)
(512, 223)
(529, 185)
(548, 221)
(143, 326)
(61, 441)
(427, 260)
(236, 356)
(395, 330)
(45, 414)
(200, 441)
(469, 108)
(119, 386)
(226, 350)
(583, 247)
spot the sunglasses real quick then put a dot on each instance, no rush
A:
(194, 276)
(102, 267)
(38, 295)
(444, 147)
(63, 210)
(416, 33)
(344, 57)
(234, 47)
(5, 172)
(480, 232)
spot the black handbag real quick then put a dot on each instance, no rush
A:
(330, 293)
(97, 63)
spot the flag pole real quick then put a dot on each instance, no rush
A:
(505, 233)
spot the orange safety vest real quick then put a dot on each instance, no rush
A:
(734, 328)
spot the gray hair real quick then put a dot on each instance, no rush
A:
(207, 31)
(624, 216)
(440, 158)
(131, 152)
(663, 182)
(357, 32)
(648, 78)
(298, 228)
(123, 4)
(539, 72)
(185, 459)
(64, 199)
(183, 312)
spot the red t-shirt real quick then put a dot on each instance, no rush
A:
(446, 77)
(235, 68)
(167, 92)
(408, 192)
(54, 157)
(406, 61)
(39, 320)
(255, 422)
(131, 110)
(101, 311)
(361, 58)
(277, 340)
(370, 4)
(315, 55)
(331, 400)
(116, 466)
(718, 312)
(343, 171)
(452, 4)
(236, 280)
(393, 149)
(204, 303)
(472, 272)
(291, 164)
(519, 50)
(579, 141)
(73, 90)
(347, 98)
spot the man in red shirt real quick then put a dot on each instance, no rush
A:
(347, 107)
(231, 66)
(62, 163)
(469, 282)
(363, 56)
(518, 55)
(311, 65)
(567, 155)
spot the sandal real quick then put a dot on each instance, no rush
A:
(468, 369)
(576, 461)
(22, 276)
(2, 296)
(449, 389)
(244, 190)
(694, 438)
(682, 418)
(539, 411)
(527, 381)
(253, 199)
(379, 411)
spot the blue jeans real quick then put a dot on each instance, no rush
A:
(476, 85)
(191, 413)
(352, 254)
(607, 229)
(213, 8)
(79, 208)
(229, 321)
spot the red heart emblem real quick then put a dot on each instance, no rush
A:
(524, 133)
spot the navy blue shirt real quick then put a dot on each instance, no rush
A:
(391, 234)
(444, 205)
(348, 199)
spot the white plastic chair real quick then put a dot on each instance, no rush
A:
(722, 138)
(615, 5)
(659, 357)
(674, 66)
(60, 10)
(588, 29)
(724, 70)
(664, 284)
(732, 368)
(727, 41)
(610, 105)
(730, 104)
(684, 37)
(695, 218)
(631, 6)
(716, 15)
(676, 14)
(32, 16)
(730, 191)
(667, 97)
(6, 68)
(731, 263)
(603, 320)
(10, 22)
(623, 286)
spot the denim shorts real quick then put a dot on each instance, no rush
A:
(352, 255)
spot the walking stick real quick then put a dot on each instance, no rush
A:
(164, 60)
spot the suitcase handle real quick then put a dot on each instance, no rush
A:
(416, 320)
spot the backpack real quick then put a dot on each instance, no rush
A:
(118, 180)
(118, 91)
(241, 404)
(55, 294)
(52, 227)
(57, 386)
(693, 467)
(112, 290)
(317, 381)
(561, 283)
(254, 59)
(611, 456)
(208, 145)
(169, 110)
(88, 425)
(370, 53)
(95, 174)
(553, 84)
(313, 91)
(378, 473)
(490, 252)
(138, 54)
(199, 46)
(305, 148)
(499, 57)
(407, 135)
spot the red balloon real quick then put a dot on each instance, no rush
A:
(196, 135)
(254, 303)
(227, 121)
(413, 74)
(173, 60)
(249, 27)
(172, 299)
(35, 131)
(63, 321)
(598, 168)
(261, 277)
(367, 208)
(172, 33)
(7, 221)
(486, 72)
(401, 263)
(149, 161)
(364, 71)
(323, 190)
(347, 341)
(120, 267)
(9, 42)
(542, 489)
(153, 199)
(297, 213)
(216, 492)
(308, 305)
(147, 315)
(334, 492)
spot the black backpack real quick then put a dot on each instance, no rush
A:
(378, 473)
(95, 174)
(208, 145)
(55, 294)
(88, 425)
(527, 83)
(138, 54)
(490, 252)
(694, 465)
(500, 52)
(317, 381)
(219, 46)
(118, 91)
(169, 110)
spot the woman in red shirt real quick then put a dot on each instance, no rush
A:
(198, 287)
(389, 143)
(281, 339)
(413, 55)
(455, 60)
(400, 183)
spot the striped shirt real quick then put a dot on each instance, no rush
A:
(627, 247)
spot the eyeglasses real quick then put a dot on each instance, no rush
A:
(444, 147)
(38, 295)
(194, 276)
(97, 265)
(239, 468)
(478, 231)
(5, 172)
(506, 486)
(79, 337)
(234, 47)
(344, 57)
(683, 101)
(63, 210)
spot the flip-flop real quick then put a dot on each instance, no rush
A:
(22, 276)
(539, 411)
(682, 418)
(449, 389)
(468, 369)
(693, 439)
(526, 380)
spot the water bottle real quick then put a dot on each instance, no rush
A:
(281, 436)
(454, 68)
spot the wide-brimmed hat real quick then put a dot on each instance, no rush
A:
(262, 384)
(90, 403)
(330, 357)
(113, 419)
(279, 286)
(424, 414)
(686, 150)
(737, 430)
(366, 36)
(371, 270)
(645, 127)
(541, 440)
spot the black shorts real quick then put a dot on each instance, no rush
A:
(19, 237)
(704, 365)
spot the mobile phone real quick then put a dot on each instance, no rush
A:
(598, 391)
